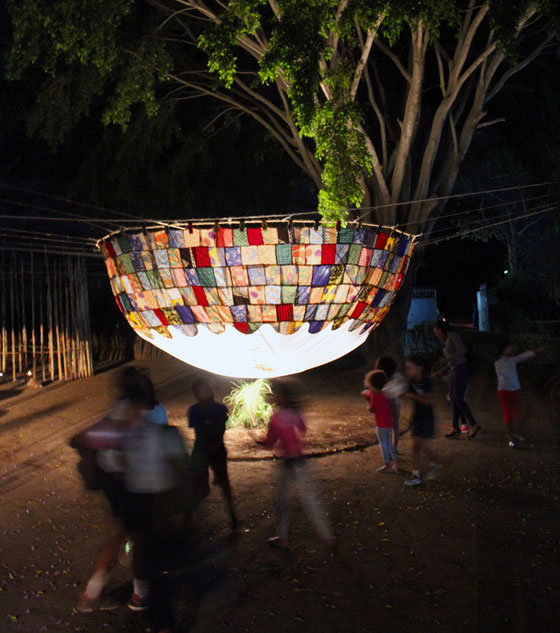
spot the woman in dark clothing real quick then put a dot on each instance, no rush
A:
(455, 360)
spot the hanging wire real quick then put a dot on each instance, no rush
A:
(23, 233)
(444, 238)
(48, 250)
(69, 201)
(456, 195)
(75, 218)
(485, 208)
(474, 222)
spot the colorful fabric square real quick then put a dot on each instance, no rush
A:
(289, 294)
(233, 256)
(192, 277)
(305, 275)
(321, 275)
(256, 295)
(284, 254)
(239, 313)
(206, 277)
(191, 238)
(161, 241)
(256, 275)
(313, 254)
(270, 235)
(273, 275)
(289, 275)
(249, 256)
(240, 238)
(222, 276)
(224, 238)
(176, 239)
(346, 236)
(167, 278)
(272, 294)
(201, 256)
(298, 254)
(207, 238)
(266, 254)
(269, 314)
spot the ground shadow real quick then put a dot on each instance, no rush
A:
(23, 420)
(10, 393)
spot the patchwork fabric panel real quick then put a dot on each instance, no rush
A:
(250, 276)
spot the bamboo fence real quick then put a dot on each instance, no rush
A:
(44, 317)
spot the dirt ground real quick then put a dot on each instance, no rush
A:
(475, 551)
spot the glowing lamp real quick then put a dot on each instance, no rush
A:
(259, 301)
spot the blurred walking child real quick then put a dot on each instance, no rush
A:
(287, 427)
(208, 419)
(395, 386)
(422, 421)
(509, 387)
(380, 406)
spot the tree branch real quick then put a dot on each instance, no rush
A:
(394, 58)
(515, 69)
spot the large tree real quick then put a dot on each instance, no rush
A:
(377, 102)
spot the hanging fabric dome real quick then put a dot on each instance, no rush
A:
(256, 299)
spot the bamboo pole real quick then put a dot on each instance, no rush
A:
(51, 318)
(12, 320)
(41, 329)
(79, 321)
(68, 324)
(4, 326)
(33, 339)
(23, 317)
(87, 322)
(57, 320)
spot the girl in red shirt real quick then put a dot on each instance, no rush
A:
(380, 406)
(287, 428)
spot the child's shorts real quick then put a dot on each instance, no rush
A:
(511, 404)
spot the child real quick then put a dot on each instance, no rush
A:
(208, 419)
(395, 386)
(380, 406)
(287, 427)
(422, 421)
(509, 388)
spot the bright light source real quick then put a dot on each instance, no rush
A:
(30, 373)
(506, 271)
(263, 354)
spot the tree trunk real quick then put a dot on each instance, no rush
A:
(388, 337)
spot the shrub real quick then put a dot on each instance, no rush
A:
(248, 404)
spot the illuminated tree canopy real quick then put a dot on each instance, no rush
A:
(376, 101)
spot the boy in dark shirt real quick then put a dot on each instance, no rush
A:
(422, 421)
(208, 419)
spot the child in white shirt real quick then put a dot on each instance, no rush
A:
(509, 387)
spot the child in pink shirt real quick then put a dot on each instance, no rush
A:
(380, 406)
(287, 428)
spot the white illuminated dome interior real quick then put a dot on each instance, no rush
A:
(262, 354)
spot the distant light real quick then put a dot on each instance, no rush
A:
(506, 271)
(29, 373)
(1, 374)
